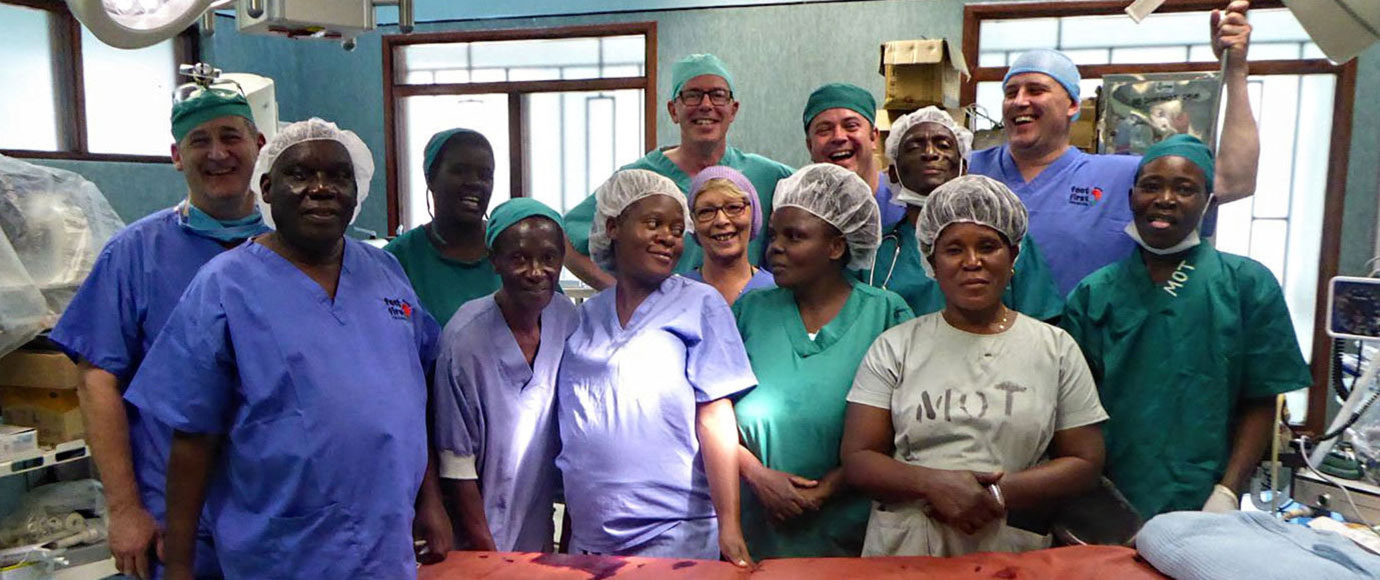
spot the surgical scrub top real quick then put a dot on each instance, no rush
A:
(1031, 290)
(965, 401)
(1173, 361)
(113, 320)
(322, 403)
(761, 279)
(762, 172)
(1078, 206)
(793, 420)
(627, 398)
(442, 283)
(495, 416)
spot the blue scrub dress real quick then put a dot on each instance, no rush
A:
(112, 322)
(627, 398)
(491, 405)
(322, 404)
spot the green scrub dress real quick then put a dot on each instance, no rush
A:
(441, 283)
(1173, 360)
(793, 420)
(762, 172)
(1032, 290)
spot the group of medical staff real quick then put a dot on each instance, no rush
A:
(830, 361)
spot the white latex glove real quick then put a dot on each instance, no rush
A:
(1222, 500)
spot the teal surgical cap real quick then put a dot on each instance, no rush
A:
(510, 212)
(1051, 63)
(698, 65)
(840, 96)
(438, 142)
(209, 104)
(1186, 146)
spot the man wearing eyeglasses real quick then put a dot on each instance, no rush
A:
(840, 128)
(702, 105)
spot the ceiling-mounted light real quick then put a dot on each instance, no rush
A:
(137, 23)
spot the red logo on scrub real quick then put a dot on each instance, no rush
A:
(1097, 194)
(398, 308)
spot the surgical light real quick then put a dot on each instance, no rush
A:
(139, 23)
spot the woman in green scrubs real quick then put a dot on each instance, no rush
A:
(1188, 345)
(445, 259)
(805, 339)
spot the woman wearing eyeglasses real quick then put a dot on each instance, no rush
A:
(726, 216)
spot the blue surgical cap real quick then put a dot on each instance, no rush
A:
(698, 65)
(1051, 63)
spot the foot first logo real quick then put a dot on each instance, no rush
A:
(398, 308)
(1085, 196)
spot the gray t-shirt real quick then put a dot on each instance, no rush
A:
(968, 401)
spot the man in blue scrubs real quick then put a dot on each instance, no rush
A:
(294, 372)
(841, 128)
(702, 104)
(121, 307)
(1076, 200)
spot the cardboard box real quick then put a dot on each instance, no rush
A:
(16, 440)
(920, 73)
(46, 370)
(1083, 132)
(55, 413)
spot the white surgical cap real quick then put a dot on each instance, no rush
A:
(970, 199)
(904, 196)
(838, 196)
(625, 188)
(314, 129)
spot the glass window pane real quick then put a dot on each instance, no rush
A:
(452, 76)
(1018, 35)
(1089, 55)
(1273, 51)
(1268, 240)
(1311, 50)
(30, 115)
(421, 118)
(992, 59)
(1278, 121)
(1149, 54)
(1201, 53)
(128, 96)
(1311, 155)
(1120, 30)
(420, 77)
(989, 98)
(581, 58)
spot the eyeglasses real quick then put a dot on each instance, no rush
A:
(694, 97)
(707, 214)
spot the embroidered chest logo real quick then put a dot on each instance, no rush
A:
(1178, 279)
(398, 308)
(1085, 196)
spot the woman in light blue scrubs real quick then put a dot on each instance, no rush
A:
(648, 436)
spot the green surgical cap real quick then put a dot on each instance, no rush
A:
(1186, 146)
(207, 105)
(698, 65)
(840, 96)
(510, 212)
(438, 142)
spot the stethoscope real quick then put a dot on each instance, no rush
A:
(895, 255)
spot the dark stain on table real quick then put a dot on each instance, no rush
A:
(682, 564)
(1007, 572)
(598, 567)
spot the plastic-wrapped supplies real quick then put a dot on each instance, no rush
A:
(55, 223)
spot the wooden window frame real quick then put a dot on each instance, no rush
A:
(69, 94)
(393, 91)
(1335, 194)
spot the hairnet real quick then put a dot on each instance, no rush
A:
(740, 181)
(207, 105)
(438, 143)
(970, 199)
(510, 212)
(840, 96)
(930, 114)
(1051, 63)
(698, 65)
(314, 129)
(838, 196)
(1186, 146)
(625, 188)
